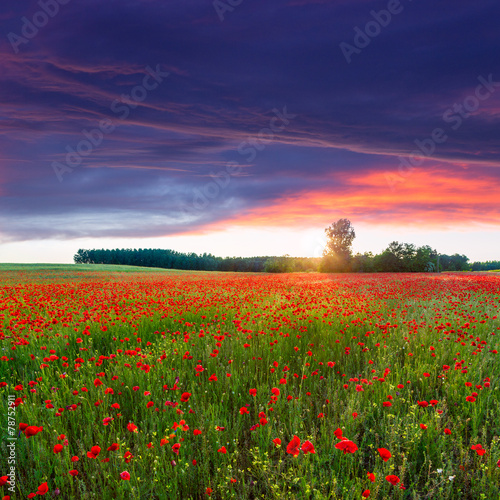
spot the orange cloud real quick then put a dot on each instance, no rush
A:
(431, 199)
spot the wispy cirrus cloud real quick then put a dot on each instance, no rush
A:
(353, 121)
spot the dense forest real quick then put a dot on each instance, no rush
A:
(170, 259)
(397, 257)
(489, 265)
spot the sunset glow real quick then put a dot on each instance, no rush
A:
(171, 124)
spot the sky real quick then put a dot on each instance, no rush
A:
(243, 127)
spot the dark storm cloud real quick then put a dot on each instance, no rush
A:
(226, 81)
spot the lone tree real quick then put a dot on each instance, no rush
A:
(337, 252)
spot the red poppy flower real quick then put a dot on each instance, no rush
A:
(114, 447)
(384, 454)
(32, 430)
(42, 489)
(338, 433)
(478, 449)
(393, 479)
(175, 448)
(132, 427)
(18, 401)
(371, 476)
(128, 457)
(253, 392)
(94, 452)
(347, 446)
(196, 432)
(222, 450)
(447, 431)
(365, 494)
(277, 441)
(125, 475)
(244, 410)
(293, 446)
(308, 447)
(58, 448)
(4, 480)
(185, 397)
(73, 472)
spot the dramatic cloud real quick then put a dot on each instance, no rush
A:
(147, 118)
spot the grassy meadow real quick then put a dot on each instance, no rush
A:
(134, 383)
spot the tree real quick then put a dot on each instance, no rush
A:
(82, 257)
(424, 258)
(279, 265)
(340, 237)
(387, 262)
(362, 263)
(405, 254)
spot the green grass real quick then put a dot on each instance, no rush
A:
(104, 268)
(272, 327)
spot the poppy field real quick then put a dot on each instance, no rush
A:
(166, 385)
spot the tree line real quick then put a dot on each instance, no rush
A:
(489, 265)
(398, 257)
(337, 257)
(169, 259)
